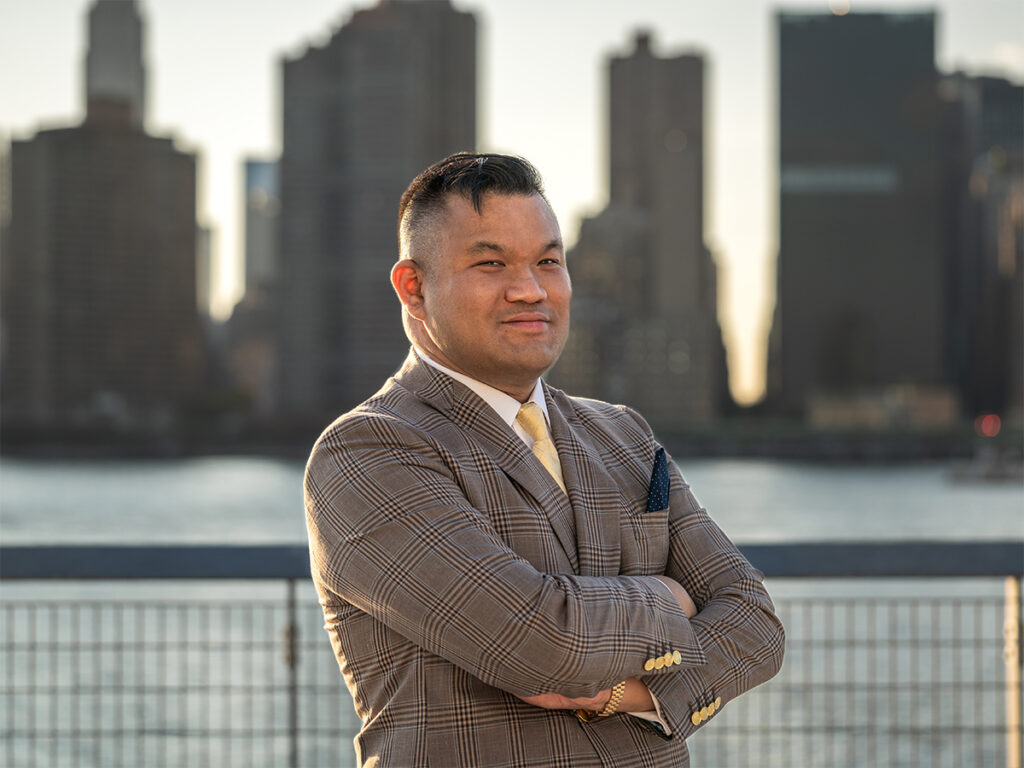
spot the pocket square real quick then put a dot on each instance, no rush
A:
(657, 491)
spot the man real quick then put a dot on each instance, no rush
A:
(507, 572)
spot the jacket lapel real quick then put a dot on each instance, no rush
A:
(596, 498)
(503, 446)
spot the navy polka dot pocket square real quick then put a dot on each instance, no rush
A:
(657, 492)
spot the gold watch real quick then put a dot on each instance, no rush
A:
(586, 715)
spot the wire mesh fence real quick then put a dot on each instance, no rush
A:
(878, 673)
(875, 681)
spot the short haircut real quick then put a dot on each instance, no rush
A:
(469, 176)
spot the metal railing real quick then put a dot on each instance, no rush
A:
(898, 654)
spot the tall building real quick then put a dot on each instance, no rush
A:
(252, 329)
(391, 92)
(861, 301)
(115, 69)
(984, 237)
(99, 291)
(262, 210)
(204, 269)
(645, 323)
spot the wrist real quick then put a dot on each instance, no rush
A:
(637, 697)
(610, 708)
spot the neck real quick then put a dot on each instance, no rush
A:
(522, 394)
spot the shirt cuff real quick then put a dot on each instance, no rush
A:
(654, 716)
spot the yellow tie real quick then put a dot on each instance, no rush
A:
(531, 418)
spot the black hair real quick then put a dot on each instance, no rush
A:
(470, 176)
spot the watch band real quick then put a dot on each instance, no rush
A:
(586, 715)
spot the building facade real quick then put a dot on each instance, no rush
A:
(861, 299)
(251, 347)
(262, 212)
(100, 321)
(392, 91)
(115, 68)
(984, 238)
(645, 322)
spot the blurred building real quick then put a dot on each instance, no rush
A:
(99, 273)
(645, 322)
(391, 92)
(252, 329)
(861, 275)
(115, 67)
(204, 270)
(262, 211)
(984, 237)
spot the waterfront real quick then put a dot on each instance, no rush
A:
(166, 673)
(248, 500)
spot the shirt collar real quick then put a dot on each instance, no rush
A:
(506, 406)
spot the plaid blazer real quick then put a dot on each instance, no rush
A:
(453, 572)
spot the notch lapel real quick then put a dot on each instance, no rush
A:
(503, 446)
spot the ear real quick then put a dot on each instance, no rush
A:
(407, 280)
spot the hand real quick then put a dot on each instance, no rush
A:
(636, 699)
(681, 595)
(558, 701)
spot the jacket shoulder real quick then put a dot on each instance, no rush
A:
(620, 420)
(391, 411)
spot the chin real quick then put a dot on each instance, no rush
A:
(533, 366)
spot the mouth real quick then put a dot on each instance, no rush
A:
(528, 321)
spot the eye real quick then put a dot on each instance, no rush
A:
(488, 263)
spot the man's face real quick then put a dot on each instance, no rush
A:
(496, 290)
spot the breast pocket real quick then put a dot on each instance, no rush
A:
(644, 539)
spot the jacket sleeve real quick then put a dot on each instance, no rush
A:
(735, 626)
(391, 533)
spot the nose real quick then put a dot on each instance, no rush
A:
(525, 287)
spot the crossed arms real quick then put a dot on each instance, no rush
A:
(637, 697)
(393, 533)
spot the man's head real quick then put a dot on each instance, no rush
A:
(482, 275)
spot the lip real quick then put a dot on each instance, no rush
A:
(528, 321)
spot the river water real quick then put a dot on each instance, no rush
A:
(249, 500)
(864, 659)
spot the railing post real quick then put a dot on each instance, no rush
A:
(291, 659)
(1012, 658)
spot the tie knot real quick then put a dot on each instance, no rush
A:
(531, 417)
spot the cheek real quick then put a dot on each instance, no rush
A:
(561, 292)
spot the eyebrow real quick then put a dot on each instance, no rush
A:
(481, 246)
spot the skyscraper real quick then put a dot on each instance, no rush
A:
(99, 290)
(252, 330)
(860, 277)
(391, 92)
(262, 209)
(645, 326)
(115, 69)
(983, 231)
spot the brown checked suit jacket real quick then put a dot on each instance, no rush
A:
(454, 573)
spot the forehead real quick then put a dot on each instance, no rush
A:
(508, 220)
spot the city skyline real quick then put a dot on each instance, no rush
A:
(224, 103)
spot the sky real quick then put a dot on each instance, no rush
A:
(214, 73)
